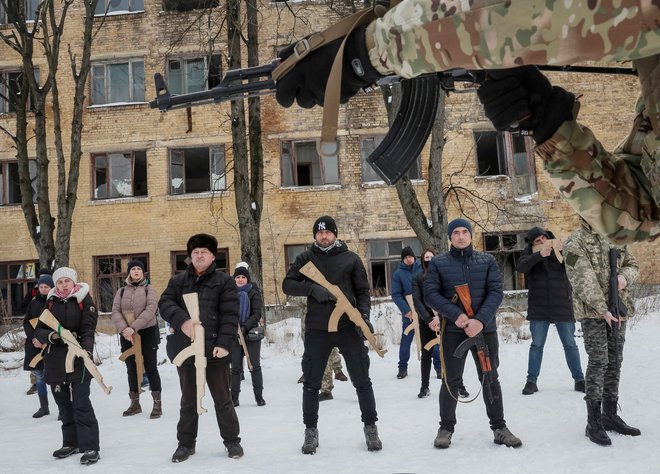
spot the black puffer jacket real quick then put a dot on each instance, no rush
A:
(340, 267)
(256, 307)
(218, 310)
(34, 309)
(77, 314)
(456, 267)
(550, 291)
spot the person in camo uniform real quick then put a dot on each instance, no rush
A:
(617, 193)
(588, 269)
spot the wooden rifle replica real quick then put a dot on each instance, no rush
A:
(241, 341)
(195, 349)
(555, 244)
(74, 349)
(136, 351)
(414, 326)
(478, 341)
(39, 357)
(342, 306)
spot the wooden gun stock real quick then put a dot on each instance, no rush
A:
(342, 306)
(241, 341)
(414, 326)
(39, 357)
(555, 244)
(73, 349)
(463, 292)
(136, 351)
(196, 348)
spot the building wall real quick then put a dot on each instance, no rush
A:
(159, 223)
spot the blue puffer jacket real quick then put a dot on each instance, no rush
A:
(456, 267)
(402, 284)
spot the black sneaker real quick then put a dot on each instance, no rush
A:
(182, 453)
(423, 392)
(579, 386)
(403, 373)
(65, 452)
(530, 388)
(234, 450)
(323, 396)
(462, 392)
(90, 457)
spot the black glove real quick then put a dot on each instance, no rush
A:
(369, 325)
(54, 338)
(524, 98)
(307, 80)
(320, 294)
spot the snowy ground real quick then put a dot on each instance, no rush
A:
(550, 423)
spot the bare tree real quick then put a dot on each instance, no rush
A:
(33, 41)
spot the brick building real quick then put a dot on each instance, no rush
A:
(150, 180)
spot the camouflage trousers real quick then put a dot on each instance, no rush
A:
(603, 368)
(334, 365)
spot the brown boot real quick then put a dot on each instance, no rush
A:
(157, 410)
(135, 407)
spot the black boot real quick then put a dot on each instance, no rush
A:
(258, 397)
(43, 409)
(234, 398)
(594, 430)
(613, 422)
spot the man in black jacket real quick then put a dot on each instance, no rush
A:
(218, 313)
(343, 268)
(548, 301)
(461, 265)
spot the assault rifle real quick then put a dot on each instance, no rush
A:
(478, 341)
(614, 303)
(410, 129)
(136, 351)
(74, 349)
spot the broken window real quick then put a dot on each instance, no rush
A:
(197, 170)
(111, 272)
(507, 248)
(193, 75)
(118, 82)
(302, 166)
(16, 282)
(383, 259)
(119, 6)
(10, 90)
(367, 147)
(118, 175)
(188, 5)
(10, 189)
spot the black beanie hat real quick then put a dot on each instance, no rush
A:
(407, 252)
(324, 223)
(453, 225)
(136, 263)
(242, 271)
(534, 233)
(205, 241)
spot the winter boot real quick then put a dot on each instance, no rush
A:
(371, 436)
(32, 390)
(182, 453)
(301, 379)
(505, 437)
(234, 450)
(462, 392)
(65, 452)
(258, 397)
(613, 422)
(135, 407)
(423, 392)
(157, 411)
(530, 388)
(580, 386)
(339, 375)
(323, 396)
(43, 410)
(594, 430)
(90, 457)
(311, 441)
(234, 398)
(402, 374)
(443, 439)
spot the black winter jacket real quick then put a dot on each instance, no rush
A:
(549, 297)
(456, 267)
(34, 309)
(256, 308)
(424, 312)
(340, 267)
(218, 310)
(77, 314)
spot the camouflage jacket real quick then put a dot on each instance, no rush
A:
(587, 265)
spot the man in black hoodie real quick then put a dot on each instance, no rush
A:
(343, 268)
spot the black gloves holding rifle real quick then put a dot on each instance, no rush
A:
(306, 82)
(523, 98)
(320, 294)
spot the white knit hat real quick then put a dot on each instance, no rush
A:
(242, 264)
(65, 272)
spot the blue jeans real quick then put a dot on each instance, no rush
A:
(42, 389)
(566, 331)
(406, 340)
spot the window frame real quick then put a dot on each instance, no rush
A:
(108, 182)
(212, 72)
(107, 90)
(507, 255)
(26, 283)
(116, 279)
(289, 258)
(365, 165)
(6, 106)
(223, 252)
(169, 5)
(212, 150)
(390, 260)
(4, 184)
(107, 5)
(294, 168)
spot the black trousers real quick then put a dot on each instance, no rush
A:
(425, 336)
(150, 338)
(454, 368)
(318, 345)
(79, 426)
(254, 351)
(217, 380)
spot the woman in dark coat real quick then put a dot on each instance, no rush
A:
(252, 308)
(32, 345)
(74, 309)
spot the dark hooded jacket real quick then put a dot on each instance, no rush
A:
(34, 309)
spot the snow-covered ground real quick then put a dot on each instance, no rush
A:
(550, 422)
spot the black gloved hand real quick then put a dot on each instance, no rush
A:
(524, 98)
(54, 338)
(369, 325)
(306, 82)
(320, 294)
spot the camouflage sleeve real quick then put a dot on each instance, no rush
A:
(583, 278)
(629, 268)
(423, 36)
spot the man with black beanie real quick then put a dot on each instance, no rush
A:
(402, 286)
(343, 268)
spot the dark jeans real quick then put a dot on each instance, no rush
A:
(217, 379)
(406, 341)
(426, 335)
(254, 351)
(318, 345)
(454, 368)
(150, 340)
(79, 426)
